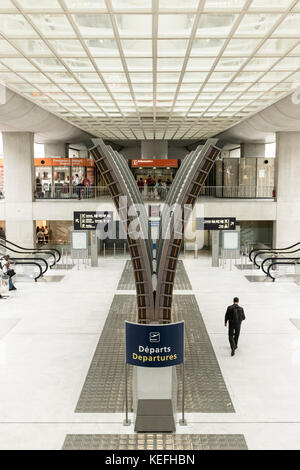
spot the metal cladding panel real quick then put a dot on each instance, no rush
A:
(120, 182)
(188, 184)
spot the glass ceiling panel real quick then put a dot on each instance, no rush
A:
(102, 47)
(172, 47)
(35, 77)
(18, 64)
(32, 46)
(233, 63)
(194, 76)
(289, 26)
(241, 46)
(257, 24)
(93, 25)
(112, 63)
(134, 25)
(137, 47)
(169, 64)
(7, 48)
(215, 25)
(53, 25)
(79, 64)
(224, 4)
(260, 63)
(141, 77)
(178, 4)
(277, 46)
(139, 64)
(175, 25)
(131, 4)
(40, 4)
(163, 77)
(289, 63)
(85, 4)
(67, 47)
(198, 63)
(207, 46)
(5, 4)
(283, 4)
(114, 77)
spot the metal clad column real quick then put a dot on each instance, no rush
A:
(215, 248)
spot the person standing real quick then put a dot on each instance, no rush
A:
(234, 316)
(6, 269)
(2, 234)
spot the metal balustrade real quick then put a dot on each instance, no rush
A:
(149, 194)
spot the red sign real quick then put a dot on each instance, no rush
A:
(88, 162)
(157, 163)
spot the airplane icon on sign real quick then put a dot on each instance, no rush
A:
(154, 337)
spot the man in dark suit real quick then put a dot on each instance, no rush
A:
(234, 316)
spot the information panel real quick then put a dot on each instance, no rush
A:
(154, 345)
(89, 220)
(215, 223)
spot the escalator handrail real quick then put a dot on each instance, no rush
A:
(41, 250)
(277, 261)
(282, 261)
(32, 263)
(272, 249)
(265, 252)
(14, 260)
(30, 252)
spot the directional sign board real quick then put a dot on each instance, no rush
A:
(89, 220)
(215, 223)
(154, 345)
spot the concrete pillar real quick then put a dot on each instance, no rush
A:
(253, 150)
(154, 149)
(287, 171)
(58, 149)
(18, 149)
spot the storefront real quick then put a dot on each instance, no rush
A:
(163, 169)
(57, 177)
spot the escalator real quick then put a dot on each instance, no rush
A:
(32, 262)
(274, 258)
(52, 253)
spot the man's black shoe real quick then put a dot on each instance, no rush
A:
(13, 288)
(232, 352)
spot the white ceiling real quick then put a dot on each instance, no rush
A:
(144, 69)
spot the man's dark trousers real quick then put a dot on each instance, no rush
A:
(234, 333)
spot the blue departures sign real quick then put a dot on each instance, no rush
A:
(154, 345)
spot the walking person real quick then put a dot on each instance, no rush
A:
(234, 316)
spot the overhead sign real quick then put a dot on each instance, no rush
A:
(89, 220)
(157, 163)
(80, 162)
(154, 345)
(215, 223)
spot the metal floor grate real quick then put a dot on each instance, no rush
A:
(104, 387)
(155, 442)
(182, 281)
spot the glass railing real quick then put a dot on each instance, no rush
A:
(155, 193)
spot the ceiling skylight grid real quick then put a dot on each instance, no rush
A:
(151, 68)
